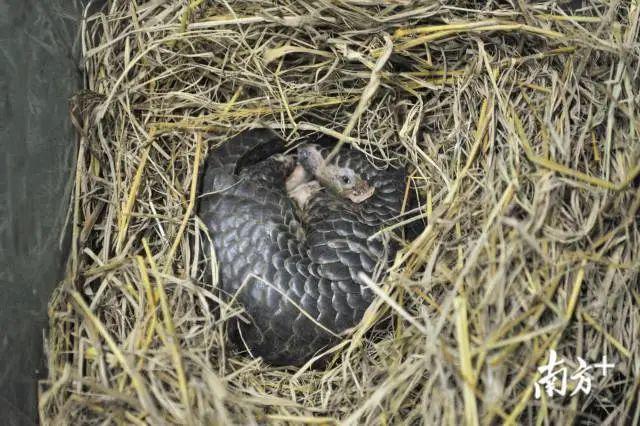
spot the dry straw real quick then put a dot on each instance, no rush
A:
(520, 122)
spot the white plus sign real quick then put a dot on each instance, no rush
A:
(604, 365)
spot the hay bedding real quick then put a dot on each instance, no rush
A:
(521, 125)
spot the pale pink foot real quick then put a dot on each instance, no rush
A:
(302, 193)
(297, 178)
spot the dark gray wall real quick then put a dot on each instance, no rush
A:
(38, 74)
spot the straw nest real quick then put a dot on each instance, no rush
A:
(520, 124)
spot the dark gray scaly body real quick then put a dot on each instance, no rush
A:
(275, 258)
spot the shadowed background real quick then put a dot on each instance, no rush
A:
(38, 74)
